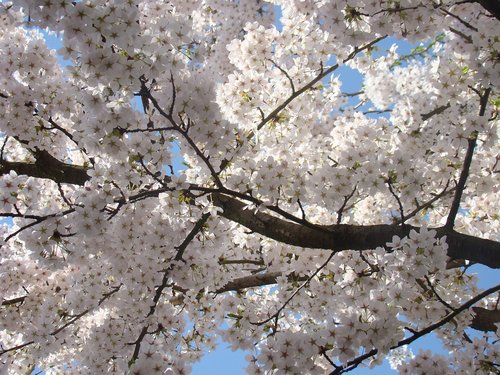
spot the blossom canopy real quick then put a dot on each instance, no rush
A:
(317, 228)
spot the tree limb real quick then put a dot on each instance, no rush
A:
(352, 237)
(484, 319)
(166, 274)
(455, 205)
(47, 166)
(331, 237)
(355, 362)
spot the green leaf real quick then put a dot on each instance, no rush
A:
(393, 176)
(352, 14)
(115, 133)
(356, 165)
(279, 118)
(246, 98)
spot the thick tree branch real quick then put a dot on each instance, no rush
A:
(484, 319)
(336, 237)
(47, 166)
(352, 237)
(262, 279)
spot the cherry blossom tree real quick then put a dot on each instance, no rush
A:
(319, 229)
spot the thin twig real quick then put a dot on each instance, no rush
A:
(153, 175)
(179, 256)
(286, 75)
(191, 143)
(436, 294)
(174, 95)
(147, 130)
(70, 322)
(301, 209)
(467, 38)
(308, 86)
(455, 205)
(377, 111)
(62, 130)
(420, 207)
(436, 111)
(400, 204)
(342, 208)
(13, 301)
(353, 93)
(6, 139)
(463, 22)
(351, 365)
(38, 220)
(63, 196)
(276, 314)
(241, 261)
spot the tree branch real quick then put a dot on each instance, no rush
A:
(252, 281)
(352, 237)
(275, 316)
(355, 362)
(296, 93)
(76, 317)
(47, 166)
(455, 205)
(436, 111)
(484, 319)
(331, 237)
(159, 290)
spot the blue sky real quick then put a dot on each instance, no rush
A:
(224, 361)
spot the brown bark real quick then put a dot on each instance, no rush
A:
(352, 237)
(484, 319)
(334, 237)
(251, 281)
(47, 166)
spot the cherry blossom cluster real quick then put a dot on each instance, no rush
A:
(317, 228)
